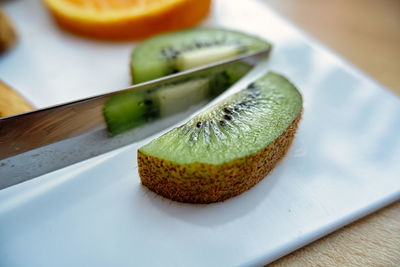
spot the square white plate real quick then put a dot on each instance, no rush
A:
(343, 163)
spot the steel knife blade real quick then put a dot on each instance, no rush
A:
(44, 140)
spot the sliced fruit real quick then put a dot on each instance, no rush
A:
(226, 149)
(131, 109)
(116, 19)
(11, 102)
(174, 52)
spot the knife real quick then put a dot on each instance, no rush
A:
(41, 141)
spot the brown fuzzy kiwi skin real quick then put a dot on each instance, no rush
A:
(208, 183)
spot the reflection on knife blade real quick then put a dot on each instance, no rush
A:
(38, 142)
(136, 107)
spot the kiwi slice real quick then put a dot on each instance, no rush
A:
(130, 109)
(226, 149)
(170, 53)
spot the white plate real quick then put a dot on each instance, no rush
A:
(343, 163)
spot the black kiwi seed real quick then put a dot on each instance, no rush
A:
(227, 117)
(198, 124)
(227, 110)
(252, 86)
(170, 53)
(222, 123)
(253, 96)
(175, 55)
(148, 102)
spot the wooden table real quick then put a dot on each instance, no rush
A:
(366, 33)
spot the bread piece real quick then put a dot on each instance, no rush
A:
(11, 102)
(8, 36)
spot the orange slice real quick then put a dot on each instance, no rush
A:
(126, 19)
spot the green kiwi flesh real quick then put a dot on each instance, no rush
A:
(130, 109)
(170, 53)
(226, 149)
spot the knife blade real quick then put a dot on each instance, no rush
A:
(41, 141)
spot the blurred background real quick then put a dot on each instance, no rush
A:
(365, 32)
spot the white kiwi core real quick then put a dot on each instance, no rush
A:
(206, 55)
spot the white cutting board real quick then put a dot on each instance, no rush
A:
(343, 163)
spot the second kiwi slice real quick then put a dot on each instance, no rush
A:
(170, 53)
(226, 149)
(174, 52)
